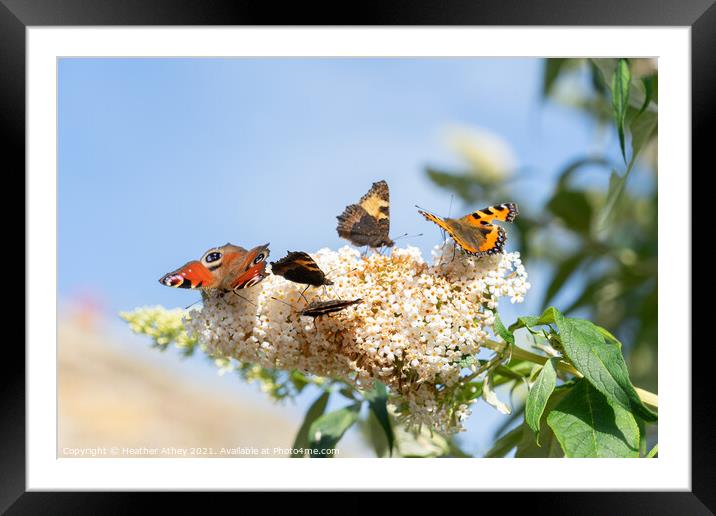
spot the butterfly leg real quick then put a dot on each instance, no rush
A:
(454, 251)
(325, 291)
(304, 291)
(445, 242)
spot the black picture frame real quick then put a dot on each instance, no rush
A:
(17, 15)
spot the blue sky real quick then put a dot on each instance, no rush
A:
(161, 159)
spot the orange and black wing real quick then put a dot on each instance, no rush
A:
(437, 220)
(191, 275)
(251, 277)
(505, 212)
(248, 269)
(368, 222)
(474, 232)
(205, 273)
(488, 238)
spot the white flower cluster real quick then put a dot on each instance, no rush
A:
(412, 331)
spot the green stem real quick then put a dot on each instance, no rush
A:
(522, 354)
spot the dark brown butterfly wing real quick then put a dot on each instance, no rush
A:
(320, 308)
(299, 267)
(368, 222)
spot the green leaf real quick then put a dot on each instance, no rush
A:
(552, 69)
(505, 443)
(502, 331)
(597, 78)
(620, 99)
(642, 129)
(539, 395)
(378, 402)
(456, 450)
(529, 321)
(465, 186)
(421, 442)
(608, 336)
(573, 208)
(642, 435)
(315, 411)
(513, 372)
(549, 446)
(374, 433)
(617, 184)
(601, 363)
(652, 453)
(650, 84)
(586, 425)
(325, 432)
(606, 69)
(596, 354)
(299, 380)
(348, 393)
(490, 396)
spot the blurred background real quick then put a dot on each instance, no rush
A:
(161, 159)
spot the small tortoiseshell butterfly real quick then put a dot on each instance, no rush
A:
(299, 267)
(321, 308)
(228, 267)
(368, 222)
(474, 232)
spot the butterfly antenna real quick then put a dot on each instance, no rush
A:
(404, 235)
(325, 290)
(452, 196)
(334, 269)
(247, 300)
(195, 302)
(441, 229)
(285, 303)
